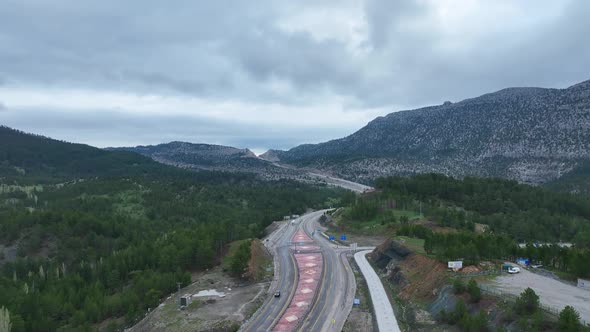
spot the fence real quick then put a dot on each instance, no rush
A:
(475, 274)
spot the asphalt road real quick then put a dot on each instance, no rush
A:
(353, 186)
(334, 300)
(285, 280)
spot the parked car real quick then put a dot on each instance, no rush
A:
(514, 269)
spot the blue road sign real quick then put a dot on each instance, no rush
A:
(343, 237)
(332, 238)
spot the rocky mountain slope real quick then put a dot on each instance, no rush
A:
(204, 156)
(532, 135)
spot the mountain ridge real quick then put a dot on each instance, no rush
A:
(533, 135)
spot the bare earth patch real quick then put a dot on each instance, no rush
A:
(209, 313)
(360, 318)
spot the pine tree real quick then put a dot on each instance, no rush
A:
(569, 320)
(5, 325)
(474, 291)
(41, 272)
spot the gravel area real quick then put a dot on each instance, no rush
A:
(553, 293)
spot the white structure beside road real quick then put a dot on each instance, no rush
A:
(383, 311)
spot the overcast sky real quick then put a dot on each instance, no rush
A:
(268, 74)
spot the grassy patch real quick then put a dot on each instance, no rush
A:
(414, 244)
(381, 224)
(232, 251)
(195, 305)
(260, 266)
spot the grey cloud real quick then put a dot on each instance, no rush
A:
(233, 50)
(2, 107)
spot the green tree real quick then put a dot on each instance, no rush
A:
(474, 291)
(239, 261)
(458, 313)
(527, 302)
(5, 325)
(458, 286)
(569, 320)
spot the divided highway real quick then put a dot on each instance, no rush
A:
(285, 280)
(334, 300)
(317, 289)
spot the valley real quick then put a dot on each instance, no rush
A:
(294, 166)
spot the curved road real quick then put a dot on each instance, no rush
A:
(285, 281)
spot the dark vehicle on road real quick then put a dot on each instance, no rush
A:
(277, 294)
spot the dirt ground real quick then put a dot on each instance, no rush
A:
(552, 293)
(360, 318)
(212, 313)
(425, 277)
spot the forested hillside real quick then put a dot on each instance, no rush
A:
(100, 244)
(32, 158)
(522, 211)
(480, 219)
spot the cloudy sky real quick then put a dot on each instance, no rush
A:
(268, 73)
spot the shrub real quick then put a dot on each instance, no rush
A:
(458, 286)
(569, 320)
(474, 291)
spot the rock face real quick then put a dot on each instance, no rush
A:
(532, 135)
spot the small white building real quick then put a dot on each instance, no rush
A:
(455, 265)
(583, 283)
(186, 299)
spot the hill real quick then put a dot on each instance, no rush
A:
(532, 135)
(92, 238)
(217, 158)
(201, 156)
(35, 158)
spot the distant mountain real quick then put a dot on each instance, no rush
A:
(26, 156)
(210, 157)
(532, 135)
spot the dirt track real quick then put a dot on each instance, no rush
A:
(552, 293)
